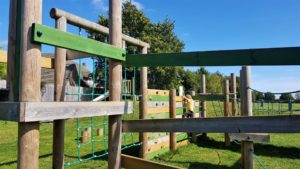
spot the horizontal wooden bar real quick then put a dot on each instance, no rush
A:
(155, 92)
(255, 57)
(130, 162)
(45, 62)
(86, 24)
(256, 137)
(209, 97)
(51, 36)
(48, 111)
(260, 124)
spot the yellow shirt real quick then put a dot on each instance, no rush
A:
(190, 105)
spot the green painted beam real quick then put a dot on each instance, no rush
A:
(210, 97)
(54, 37)
(258, 57)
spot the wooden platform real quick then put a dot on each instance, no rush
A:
(47, 111)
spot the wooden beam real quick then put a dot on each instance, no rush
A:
(155, 92)
(256, 137)
(259, 57)
(130, 162)
(45, 111)
(172, 111)
(86, 24)
(226, 109)
(261, 124)
(45, 62)
(50, 36)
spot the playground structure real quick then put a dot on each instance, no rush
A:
(24, 62)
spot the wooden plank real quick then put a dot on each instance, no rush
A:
(45, 111)
(130, 162)
(261, 124)
(155, 92)
(256, 137)
(263, 57)
(45, 62)
(47, 35)
(154, 110)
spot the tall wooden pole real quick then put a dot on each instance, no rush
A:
(242, 93)
(30, 80)
(203, 91)
(143, 107)
(172, 100)
(226, 109)
(115, 80)
(59, 125)
(11, 56)
(247, 146)
(233, 90)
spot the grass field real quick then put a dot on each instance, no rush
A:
(283, 151)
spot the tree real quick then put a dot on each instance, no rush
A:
(190, 81)
(214, 83)
(160, 36)
(269, 96)
(286, 96)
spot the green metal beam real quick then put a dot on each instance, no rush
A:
(259, 57)
(54, 37)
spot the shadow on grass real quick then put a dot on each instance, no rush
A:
(15, 161)
(259, 149)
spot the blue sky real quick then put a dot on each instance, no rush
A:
(208, 25)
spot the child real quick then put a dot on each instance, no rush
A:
(189, 106)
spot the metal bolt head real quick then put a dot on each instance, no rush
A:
(39, 33)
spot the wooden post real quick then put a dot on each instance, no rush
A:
(30, 79)
(233, 90)
(203, 91)
(143, 107)
(226, 110)
(59, 93)
(247, 146)
(11, 55)
(115, 80)
(241, 92)
(172, 103)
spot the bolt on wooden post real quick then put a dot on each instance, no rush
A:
(172, 107)
(226, 109)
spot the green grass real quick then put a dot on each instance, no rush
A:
(283, 151)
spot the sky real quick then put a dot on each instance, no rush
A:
(207, 25)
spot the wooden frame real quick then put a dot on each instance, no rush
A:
(259, 124)
(47, 111)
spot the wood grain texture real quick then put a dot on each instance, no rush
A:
(143, 106)
(261, 124)
(226, 109)
(155, 92)
(59, 95)
(172, 110)
(233, 90)
(30, 82)
(130, 162)
(255, 137)
(115, 84)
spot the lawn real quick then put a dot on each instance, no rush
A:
(282, 152)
